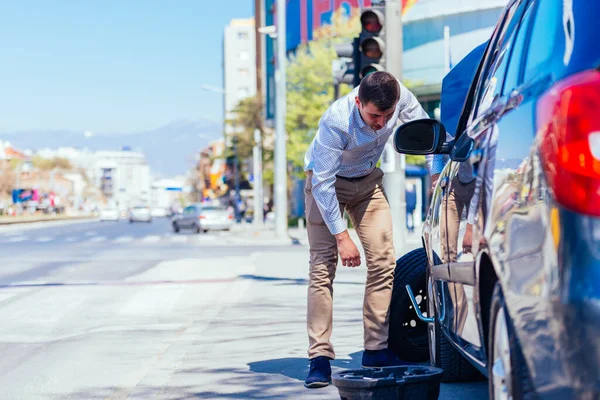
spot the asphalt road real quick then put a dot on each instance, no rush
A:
(109, 310)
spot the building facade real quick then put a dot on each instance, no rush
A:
(239, 64)
(123, 177)
(427, 55)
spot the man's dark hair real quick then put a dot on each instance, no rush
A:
(380, 89)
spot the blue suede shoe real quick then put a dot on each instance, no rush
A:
(319, 374)
(381, 358)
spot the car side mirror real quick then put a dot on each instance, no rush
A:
(462, 148)
(420, 137)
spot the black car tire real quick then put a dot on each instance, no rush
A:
(520, 380)
(408, 342)
(175, 227)
(196, 228)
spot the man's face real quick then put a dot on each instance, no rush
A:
(373, 116)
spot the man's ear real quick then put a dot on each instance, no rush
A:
(357, 100)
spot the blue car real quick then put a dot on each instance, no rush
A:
(510, 288)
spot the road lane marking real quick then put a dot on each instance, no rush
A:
(151, 239)
(98, 239)
(17, 239)
(124, 239)
(179, 239)
(71, 239)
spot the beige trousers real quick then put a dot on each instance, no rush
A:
(365, 201)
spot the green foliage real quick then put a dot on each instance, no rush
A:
(310, 84)
(46, 164)
(415, 160)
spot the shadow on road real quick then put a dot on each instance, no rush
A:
(291, 281)
(297, 368)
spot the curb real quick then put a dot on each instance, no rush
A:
(50, 219)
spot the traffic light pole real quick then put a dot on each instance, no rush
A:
(281, 221)
(394, 165)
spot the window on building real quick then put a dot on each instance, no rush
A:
(244, 72)
(244, 55)
(242, 35)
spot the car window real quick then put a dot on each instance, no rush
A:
(543, 40)
(513, 78)
(213, 208)
(189, 210)
(498, 60)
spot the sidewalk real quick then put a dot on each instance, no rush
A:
(28, 219)
(266, 235)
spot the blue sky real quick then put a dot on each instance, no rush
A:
(111, 65)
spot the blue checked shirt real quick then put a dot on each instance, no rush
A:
(345, 146)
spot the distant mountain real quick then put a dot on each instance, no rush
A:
(170, 149)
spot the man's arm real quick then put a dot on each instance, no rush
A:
(327, 156)
(326, 159)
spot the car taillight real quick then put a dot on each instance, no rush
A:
(202, 217)
(568, 123)
(230, 216)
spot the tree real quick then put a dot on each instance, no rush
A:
(310, 83)
(247, 117)
(7, 180)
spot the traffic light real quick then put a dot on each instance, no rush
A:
(345, 68)
(371, 41)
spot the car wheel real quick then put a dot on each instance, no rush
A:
(507, 370)
(408, 334)
(442, 353)
(176, 228)
(205, 230)
(196, 228)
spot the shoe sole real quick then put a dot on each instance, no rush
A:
(316, 385)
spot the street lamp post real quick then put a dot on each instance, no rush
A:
(277, 34)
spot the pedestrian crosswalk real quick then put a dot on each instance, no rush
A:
(92, 238)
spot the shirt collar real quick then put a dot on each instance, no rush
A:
(359, 121)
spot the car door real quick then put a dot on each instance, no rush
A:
(188, 216)
(519, 224)
(467, 170)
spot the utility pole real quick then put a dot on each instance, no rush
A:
(280, 134)
(394, 164)
(258, 180)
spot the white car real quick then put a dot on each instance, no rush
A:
(140, 214)
(109, 214)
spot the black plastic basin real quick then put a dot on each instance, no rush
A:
(410, 382)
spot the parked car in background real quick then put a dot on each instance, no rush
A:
(109, 214)
(202, 218)
(508, 282)
(140, 214)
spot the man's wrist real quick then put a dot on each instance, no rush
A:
(340, 237)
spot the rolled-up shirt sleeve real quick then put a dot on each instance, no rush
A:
(327, 157)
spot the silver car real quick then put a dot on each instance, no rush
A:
(203, 218)
(140, 214)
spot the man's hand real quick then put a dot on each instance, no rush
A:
(468, 239)
(347, 249)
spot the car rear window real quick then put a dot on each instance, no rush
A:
(213, 208)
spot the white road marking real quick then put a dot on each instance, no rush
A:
(124, 239)
(179, 239)
(17, 239)
(44, 239)
(151, 239)
(98, 239)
